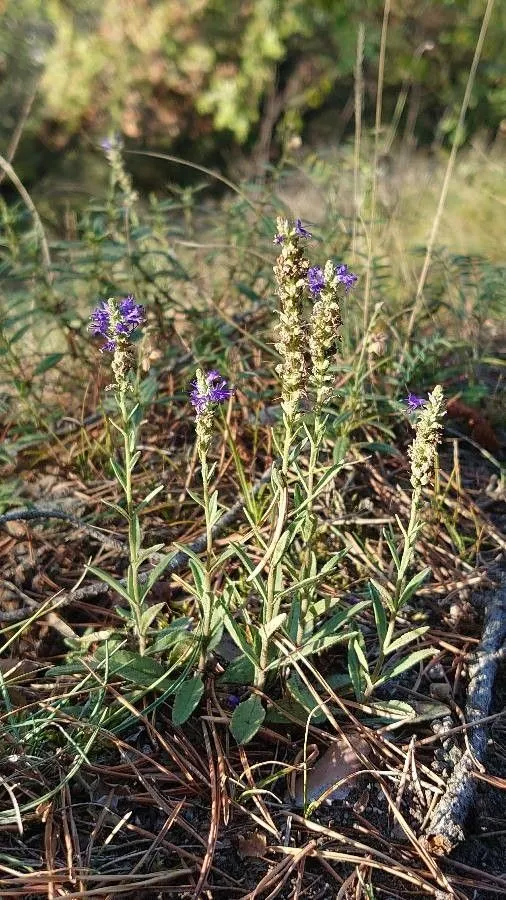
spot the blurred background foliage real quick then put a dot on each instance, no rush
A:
(222, 81)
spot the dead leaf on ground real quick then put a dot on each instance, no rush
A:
(252, 845)
(339, 762)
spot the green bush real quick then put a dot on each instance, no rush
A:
(207, 73)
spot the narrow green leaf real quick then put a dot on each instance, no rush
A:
(389, 536)
(199, 575)
(286, 710)
(19, 334)
(247, 718)
(49, 361)
(236, 632)
(142, 505)
(413, 586)
(135, 535)
(362, 659)
(187, 698)
(132, 412)
(119, 473)
(270, 627)
(298, 690)
(149, 615)
(332, 562)
(177, 631)
(380, 447)
(121, 512)
(383, 593)
(250, 566)
(110, 581)
(329, 475)
(214, 513)
(135, 459)
(118, 428)
(406, 664)
(314, 645)
(354, 670)
(195, 497)
(147, 552)
(406, 638)
(156, 572)
(140, 670)
(294, 617)
(281, 546)
(379, 613)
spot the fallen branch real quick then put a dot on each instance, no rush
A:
(446, 828)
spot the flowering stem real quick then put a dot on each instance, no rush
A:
(208, 390)
(423, 456)
(378, 668)
(271, 608)
(408, 549)
(308, 528)
(207, 599)
(134, 534)
(405, 562)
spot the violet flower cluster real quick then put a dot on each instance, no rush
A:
(210, 388)
(414, 402)
(298, 230)
(207, 390)
(316, 278)
(116, 321)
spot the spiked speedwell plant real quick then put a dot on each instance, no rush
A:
(274, 611)
(116, 321)
(388, 603)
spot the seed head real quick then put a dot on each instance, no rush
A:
(290, 272)
(327, 287)
(422, 452)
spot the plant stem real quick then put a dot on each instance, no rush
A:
(133, 540)
(405, 562)
(408, 549)
(270, 609)
(382, 654)
(306, 560)
(207, 599)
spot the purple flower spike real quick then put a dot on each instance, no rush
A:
(216, 391)
(100, 320)
(113, 142)
(132, 313)
(414, 402)
(279, 238)
(115, 320)
(316, 279)
(300, 230)
(233, 701)
(346, 277)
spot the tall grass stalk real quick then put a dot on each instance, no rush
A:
(374, 177)
(457, 140)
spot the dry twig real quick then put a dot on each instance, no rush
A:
(446, 828)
